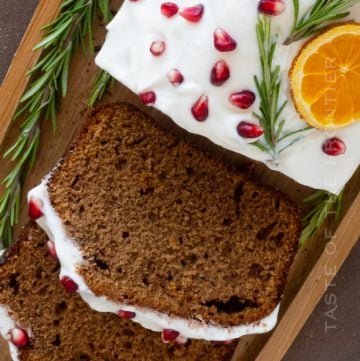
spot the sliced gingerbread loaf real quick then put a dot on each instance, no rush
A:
(42, 322)
(145, 223)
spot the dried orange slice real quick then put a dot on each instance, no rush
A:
(325, 78)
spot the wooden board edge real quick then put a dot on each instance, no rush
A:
(13, 87)
(339, 246)
(16, 81)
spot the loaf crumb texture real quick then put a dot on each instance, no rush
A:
(164, 226)
(65, 329)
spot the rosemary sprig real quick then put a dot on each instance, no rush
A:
(102, 82)
(325, 204)
(318, 17)
(50, 78)
(103, 79)
(268, 87)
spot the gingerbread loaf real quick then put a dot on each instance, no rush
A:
(42, 322)
(149, 227)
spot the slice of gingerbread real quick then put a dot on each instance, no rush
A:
(43, 322)
(149, 227)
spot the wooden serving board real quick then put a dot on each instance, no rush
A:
(316, 263)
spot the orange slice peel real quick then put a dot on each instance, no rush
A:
(325, 78)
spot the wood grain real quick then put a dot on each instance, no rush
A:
(306, 282)
(15, 81)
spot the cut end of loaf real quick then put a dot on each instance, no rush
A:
(172, 229)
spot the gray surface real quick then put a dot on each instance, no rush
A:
(333, 331)
(14, 18)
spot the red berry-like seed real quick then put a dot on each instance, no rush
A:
(52, 249)
(271, 7)
(223, 42)
(220, 73)
(249, 130)
(35, 208)
(69, 285)
(334, 147)
(19, 337)
(175, 77)
(200, 110)
(243, 100)
(193, 13)
(157, 48)
(169, 9)
(148, 98)
(126, 314)
(169, 335)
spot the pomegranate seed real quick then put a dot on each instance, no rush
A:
(126, 314)
(220, 73)
(34, 210)
(271, 7)
(69, 285)
(220, 343)
(157, 48)
(169, 335)
(19, 337)
(249, 130)
(223, 41)
(175, 77)
(334, 147)
(193, 13)
(148, 98)
(181, 341)
(200, 110)
(243, 100)
(169, 9)
(52, 249)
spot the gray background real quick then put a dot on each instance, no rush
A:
(339, 310)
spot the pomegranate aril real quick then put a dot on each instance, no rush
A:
(169, 335)
(157, 48)
(271, 7)
(69, 285)
(334, 147)
(19, 337)
(200, 110)
(35, 208)
(148, 98)
(220, 73)
(126, 314)
(243, 100)
(249, 130)
(169, 9)
(223, 42)
(192, 13)
(52, 249)
(175, 77)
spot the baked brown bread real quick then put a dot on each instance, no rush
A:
(164, 227)
(61, 327)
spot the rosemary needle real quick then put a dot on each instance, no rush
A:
(318, 17)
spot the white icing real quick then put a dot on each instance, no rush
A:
(126, 56)
(70, 258)
(7, 324)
